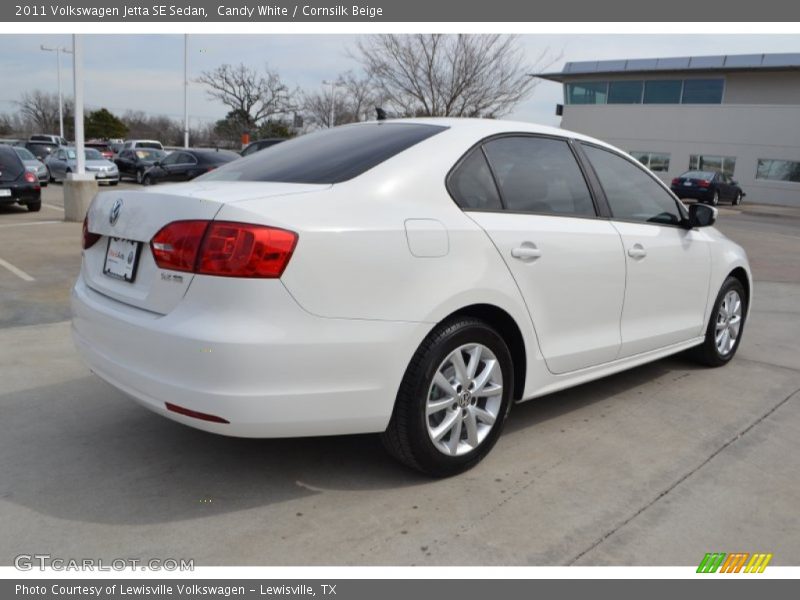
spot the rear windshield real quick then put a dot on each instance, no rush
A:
(10, 165)
(698, 175)
(155, 145)
(328, 156)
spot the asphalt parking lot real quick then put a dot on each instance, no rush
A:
(656, 466)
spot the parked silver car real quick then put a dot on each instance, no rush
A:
(64, 161)
(33, 164)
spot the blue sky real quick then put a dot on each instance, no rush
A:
(145, 72)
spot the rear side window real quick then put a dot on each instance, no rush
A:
(11, 166)
(472, 185)
(329, 156)
(539, 175)
(631, 193)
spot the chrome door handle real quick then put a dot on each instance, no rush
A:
(637, 251)
(527, 251)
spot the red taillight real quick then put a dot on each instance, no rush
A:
(223, 248)
(676, 181)
(30, 177)
(89, 238)
(176, 245)
(704, 183)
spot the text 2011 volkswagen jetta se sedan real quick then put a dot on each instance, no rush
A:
(413, 277)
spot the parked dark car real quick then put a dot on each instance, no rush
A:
(183, 165)
(254, 147)
(18, 184)
(134, 163)
(707, 186)
(41, 150)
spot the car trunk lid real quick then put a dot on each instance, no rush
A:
(137, 216)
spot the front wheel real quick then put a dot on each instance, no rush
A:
(147, 179)
(453, 399)
(725, 327)
(139, 178)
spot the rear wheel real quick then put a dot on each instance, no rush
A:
(737, 199)
(715, 198)
(453, 399)
(34, 206)
(725, 327)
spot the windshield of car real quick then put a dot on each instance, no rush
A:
(10, 165)
(327, 156)
(698, 175)
(92, 154)
(24, 153)
(150, 154)
(155, 145)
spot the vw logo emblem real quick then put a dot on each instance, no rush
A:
(113, 216)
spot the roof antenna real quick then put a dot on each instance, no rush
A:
(381, 113)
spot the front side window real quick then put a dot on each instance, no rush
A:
(658, 162)
(778, 170)
(632, 194)
(715, 164)
(539, 175)
(472, 185)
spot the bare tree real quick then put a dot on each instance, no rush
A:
(258, 96)
(354, 100)
(41, 110)
(484, 75)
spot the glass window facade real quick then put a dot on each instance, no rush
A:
(658, 162)
(719, 164)
(653, 91)
(666, 91)
(702, 91)
(625, 92)
(778, 170)
(588, 92)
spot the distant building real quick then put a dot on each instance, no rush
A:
(739, 114)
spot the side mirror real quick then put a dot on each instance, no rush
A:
(702, 215)
(157, 163)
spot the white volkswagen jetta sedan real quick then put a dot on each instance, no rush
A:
(410, 277)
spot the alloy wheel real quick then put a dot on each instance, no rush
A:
(729, 323)
(464, 399)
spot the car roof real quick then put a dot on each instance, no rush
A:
(488, 127)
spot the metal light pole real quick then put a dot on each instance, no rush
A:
(58, 50)
(333, 85)
(185, 90)
(77, 74)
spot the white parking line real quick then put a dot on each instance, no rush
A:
(52, 206)
(30, 223)
(16, 270)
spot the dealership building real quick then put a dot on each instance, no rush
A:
(739, 114)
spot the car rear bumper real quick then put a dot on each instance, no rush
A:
(694, 192)
(21, 194)
(246, 352)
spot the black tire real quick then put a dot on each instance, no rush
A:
(737, 200)
(139, 176)
(407, 438)
(147, 180)
(707, 353)
(34, 206)
(50, 177)
(113, 182)
(715, 198)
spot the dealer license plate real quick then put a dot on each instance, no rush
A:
(122, 258)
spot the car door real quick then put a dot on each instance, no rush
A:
(567, 262)
(124, 163)
(59, 162)
(668, 265)
(166, 171)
